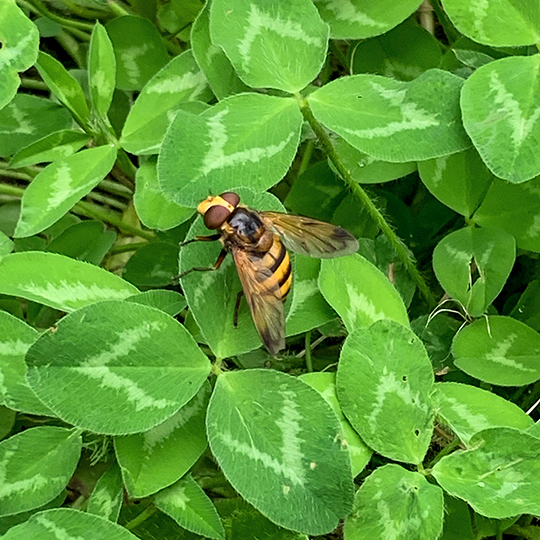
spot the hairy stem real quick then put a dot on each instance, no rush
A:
(401, 250)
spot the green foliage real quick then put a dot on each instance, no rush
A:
(152, 401)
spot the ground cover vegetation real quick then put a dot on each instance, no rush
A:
(404, 403)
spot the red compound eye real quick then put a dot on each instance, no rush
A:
(231, 198)
(216, 216)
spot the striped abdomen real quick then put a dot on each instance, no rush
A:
(277, 260)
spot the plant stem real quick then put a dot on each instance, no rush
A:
(216, 367)
(38, 7)
(529, 532)
(309, 362)
(401, 250)
(84, 12)
(306, 158)
(93, 211)
(118, 9)
(141, 518)
(11, 190)
(125, 248)
(116, 189)
(72, 47)
(16, 175)
(449, 30)
(340, 56)
(27, 174)
(33, 84)
(445, 451)
(109, 201)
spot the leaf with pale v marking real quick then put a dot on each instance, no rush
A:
(270, 426)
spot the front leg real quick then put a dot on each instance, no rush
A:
(216, 266)
(211, 238)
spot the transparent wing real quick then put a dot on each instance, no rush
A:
(263, 297)
(309, 236)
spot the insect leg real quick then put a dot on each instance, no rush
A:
(217, 264)
(237, 307)
(210, 238)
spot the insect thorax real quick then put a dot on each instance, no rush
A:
(247, 225)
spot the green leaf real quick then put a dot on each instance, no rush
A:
(384, 369)
(499, 476)
(393, 120)
(179, 82)
(500, 24)
(101, 70)
(457, 520)
(498, 350)
(386, 258)
(153, 209)
(211, 296)
(468, 410)
(20, 41)
(15, 340)
(473, 265)
(366, 169)
(153, 265)
(7, 522)
(27, 119)
(359, 292)
(486, 527)
(86, 241)
(128, 368)
(534, 430)
(307, 307)
(394, 502)
(326, 192)
(277, 45)
(472, 59)
(212, 60)
(57, 145)
(72, 524)
(177, 16)
(271, 427)
(359, 453)
(61, 282)
(36, 466)
(154, 524)
(437, 332)
(170, 302)
(246, 140)
(360, 19)
(500, 102)
(60, 185)
(47, 27)
(107, 496)
(243, 522)
(385, 55)
(514, 209)
(460, 181)
(64, 86)
(191, 508)
(7, 422)
(139, 49)
(527, 308)
(160, 456)
(6, 244)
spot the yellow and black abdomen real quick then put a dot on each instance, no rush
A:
(277, 260)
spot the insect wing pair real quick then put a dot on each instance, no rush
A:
(258, 242)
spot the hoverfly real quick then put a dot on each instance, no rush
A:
(258, 242)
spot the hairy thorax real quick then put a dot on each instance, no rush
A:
(245, 230)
